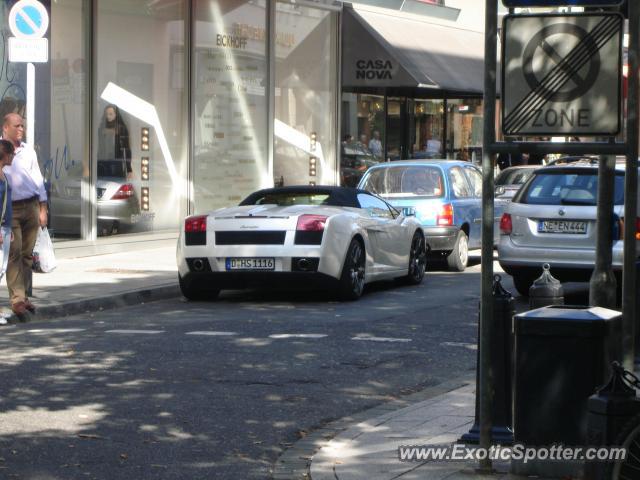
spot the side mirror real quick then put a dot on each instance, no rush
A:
(408, 211)
(500, 190)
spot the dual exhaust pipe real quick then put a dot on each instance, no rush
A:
(298, 264)
(198, 265)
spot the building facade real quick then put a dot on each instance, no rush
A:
(149, 110)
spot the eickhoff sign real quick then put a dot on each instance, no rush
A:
(562, 74)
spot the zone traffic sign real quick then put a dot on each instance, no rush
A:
(562, 74)
(561, 3)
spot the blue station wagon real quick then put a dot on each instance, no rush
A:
(447, 197)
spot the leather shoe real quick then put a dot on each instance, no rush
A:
(19, 308)
(30, 306)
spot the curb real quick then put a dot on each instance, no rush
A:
(295, 461)
(134, 297)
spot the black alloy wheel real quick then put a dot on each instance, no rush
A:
(352, 278)
(417, 260)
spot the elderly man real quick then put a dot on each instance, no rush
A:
(29, 212)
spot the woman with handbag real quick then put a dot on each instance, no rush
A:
(6, 157)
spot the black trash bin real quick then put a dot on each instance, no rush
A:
(562, 355)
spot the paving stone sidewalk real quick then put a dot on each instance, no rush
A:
(99, 282)
(369, 449)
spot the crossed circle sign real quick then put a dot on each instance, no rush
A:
(28, 19)
(542, 47)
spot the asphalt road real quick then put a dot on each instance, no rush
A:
(177, 390)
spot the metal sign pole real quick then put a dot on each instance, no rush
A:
(602, 286)
(31, 104)
(485, 389)
(629, 280)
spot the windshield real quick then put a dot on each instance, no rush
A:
(112, 168)
(405, 181)
(285, 199)
(569, 188)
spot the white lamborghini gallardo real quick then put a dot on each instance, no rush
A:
(304, 236)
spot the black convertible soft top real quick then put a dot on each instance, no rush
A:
(338, 196)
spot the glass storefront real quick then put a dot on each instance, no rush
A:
(140, 116)
(230, 83)
(305, 96)
(407, 128)
(426, 125)
(66, 167)
(464, 130)
(183, 107)
(149, 110)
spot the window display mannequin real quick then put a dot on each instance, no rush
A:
(114, 152)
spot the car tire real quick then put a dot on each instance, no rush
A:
(523, 283)
(417, 260)
(458, 259)
(352, 278)
(196, 294)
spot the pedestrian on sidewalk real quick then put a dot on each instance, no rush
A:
(6, 157)
(29, 207)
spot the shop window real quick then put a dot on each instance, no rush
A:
(141, 140)
(396, 131)
(60, 138)
(426, 124)
(363, 135)
(306, 92)
(464, 129)
(230, 101)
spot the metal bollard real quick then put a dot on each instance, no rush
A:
(609, 409)
(546, 290)
(501, 360)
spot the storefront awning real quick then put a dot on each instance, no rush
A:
(396, 50)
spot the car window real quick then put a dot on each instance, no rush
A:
(568, 188)
(112, 168)
(405, 181)
(459, 184)
(288, 199)
(475, 178)
(375, 206)
(516, 176)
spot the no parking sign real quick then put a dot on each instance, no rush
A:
(28, 21)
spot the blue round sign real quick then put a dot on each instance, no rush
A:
(28, 19)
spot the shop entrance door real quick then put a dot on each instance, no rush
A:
(397, 133)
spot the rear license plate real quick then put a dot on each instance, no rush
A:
(255, 263)
(562, 226)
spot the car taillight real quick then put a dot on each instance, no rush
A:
(505, 224)
(311, 223)
(445, 216)
(125, 191)
(195, 224)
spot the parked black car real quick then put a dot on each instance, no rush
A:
(355, 159)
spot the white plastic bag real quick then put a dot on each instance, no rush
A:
(44, 259)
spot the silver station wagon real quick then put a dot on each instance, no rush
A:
(552, 219)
